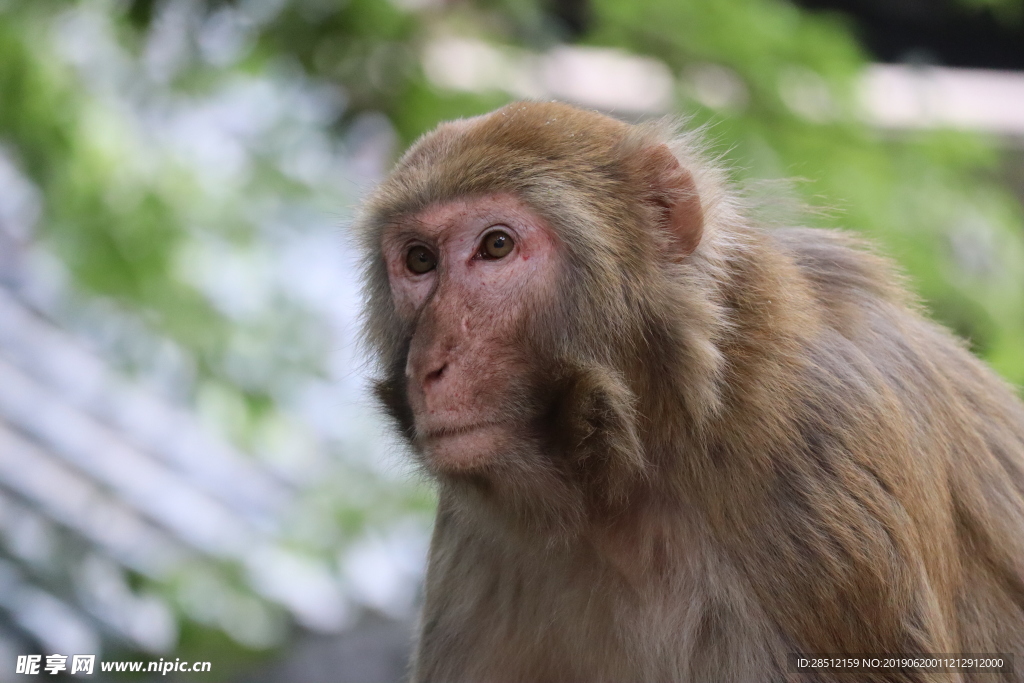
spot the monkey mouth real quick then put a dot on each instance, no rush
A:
(452, 449)
(447, 431)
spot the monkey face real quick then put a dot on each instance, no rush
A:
(466, 276)
(516, 277)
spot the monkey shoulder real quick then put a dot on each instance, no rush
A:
(842, 267)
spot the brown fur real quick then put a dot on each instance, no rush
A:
(746, 446)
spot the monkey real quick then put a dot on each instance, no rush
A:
(671, 441)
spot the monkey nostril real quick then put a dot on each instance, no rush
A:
(435, 375)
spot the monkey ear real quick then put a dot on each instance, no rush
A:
(675, 193)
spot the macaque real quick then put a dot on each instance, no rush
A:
(671, 443)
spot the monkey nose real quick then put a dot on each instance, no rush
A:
(434, 376)
(431, 390)
(426, 379)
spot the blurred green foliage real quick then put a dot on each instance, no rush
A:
(923, 195)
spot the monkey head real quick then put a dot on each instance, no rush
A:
(516, 265)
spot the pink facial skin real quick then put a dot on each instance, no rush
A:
(467, 313)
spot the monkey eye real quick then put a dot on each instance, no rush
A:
(497, 244)
(420, 260)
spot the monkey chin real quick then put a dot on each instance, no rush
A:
(463, 450)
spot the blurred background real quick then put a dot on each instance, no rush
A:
(190, 466)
